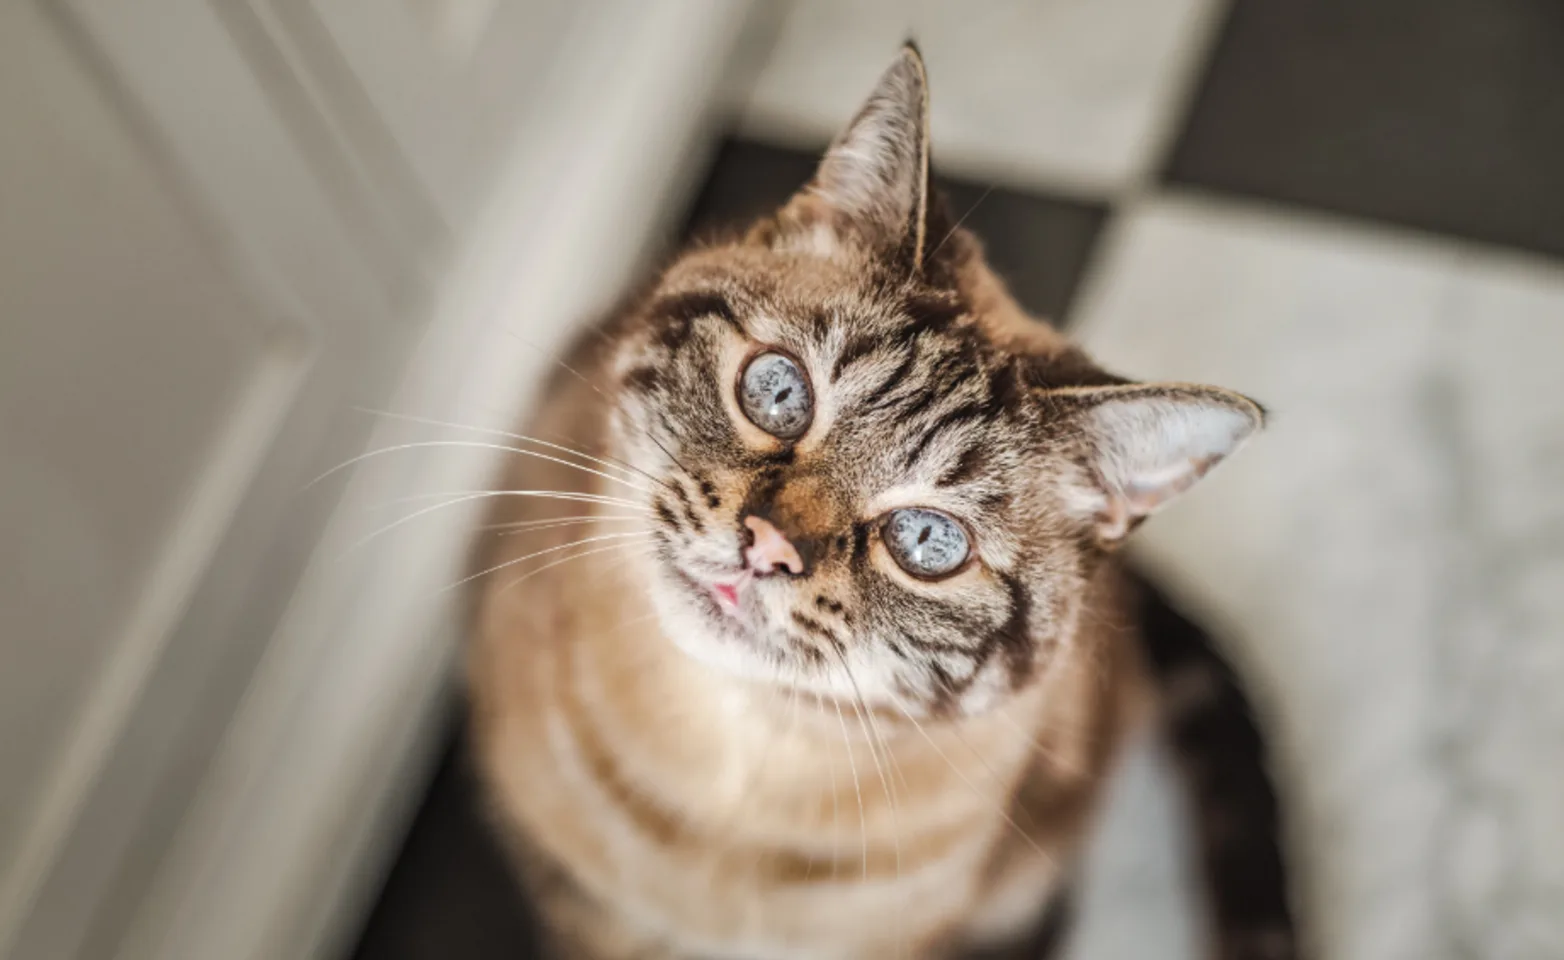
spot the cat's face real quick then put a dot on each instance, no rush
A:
(870, 458)
(863, 491)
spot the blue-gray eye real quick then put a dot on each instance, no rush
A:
(774, 394)
(925, 543)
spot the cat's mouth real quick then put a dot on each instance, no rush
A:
(723, 595)
(730, 593)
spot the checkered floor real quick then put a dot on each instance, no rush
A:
(1353, 210)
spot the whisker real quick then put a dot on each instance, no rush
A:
(465, 498)
(607, 402)
(622, 626)
(516, 527)
(627, 465)
(836, 808)
(993, 774)
(863, 822)
(474, 445)
(614, 462)
(863, 707)
(646, 549)
(725, 838)
(1030, 738)
(559, 361)
(972, 786)
(570, 495)
(970, 210)
(576, 556)
(871, 736)
(792, 731)
(648, 434)
(547, 550)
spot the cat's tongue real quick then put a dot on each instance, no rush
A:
(727, 593)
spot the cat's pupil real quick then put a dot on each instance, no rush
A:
(924, 542)
(774, 395)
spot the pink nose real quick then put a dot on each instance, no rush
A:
(771, 549)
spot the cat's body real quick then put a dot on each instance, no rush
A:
(747, 718)
(729, 811)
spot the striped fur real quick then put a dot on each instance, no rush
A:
(862, 763)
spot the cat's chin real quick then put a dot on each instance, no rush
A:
(713, 628)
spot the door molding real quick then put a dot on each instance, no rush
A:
(301, 807)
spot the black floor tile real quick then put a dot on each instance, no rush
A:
(1446, 115)
(1040, 245)
(451, 894)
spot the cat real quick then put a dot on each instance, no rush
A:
(816, 645)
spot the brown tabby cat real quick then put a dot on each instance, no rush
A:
(840, 658)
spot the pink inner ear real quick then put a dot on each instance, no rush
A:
(1145, 494)
(1150, 448)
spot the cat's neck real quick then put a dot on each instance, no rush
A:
(714, 748)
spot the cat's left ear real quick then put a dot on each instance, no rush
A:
(872, 186)
(1139, 446)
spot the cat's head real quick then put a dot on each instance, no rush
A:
(878, 478)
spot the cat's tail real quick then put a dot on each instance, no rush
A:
(1222, 755)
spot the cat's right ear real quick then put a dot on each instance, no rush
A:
(872, 187)
(1139, 446)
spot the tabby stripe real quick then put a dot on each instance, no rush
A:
(680, 311)
(853, 352)
(860, 542)
(684, 506)
(661, 506)
(932, 646)
(880, 394)
(1014, 636)
(918, 402)
(767, 863)
(930, 312)
(973, 461)
(963, 414)
(946, 689)
(709, 491)
(816, 628)
(994, 501)
(1005, 386)
(642, 380)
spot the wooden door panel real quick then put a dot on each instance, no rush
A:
(452, 81)
(128, 362)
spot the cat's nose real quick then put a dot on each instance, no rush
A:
(770, 550)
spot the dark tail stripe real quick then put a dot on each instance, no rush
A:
(1220, 749)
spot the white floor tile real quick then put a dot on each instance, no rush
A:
(1140, 895)
(1388, 558)
(1066, 94)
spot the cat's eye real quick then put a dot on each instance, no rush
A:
(774, 395)
(925, 543)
